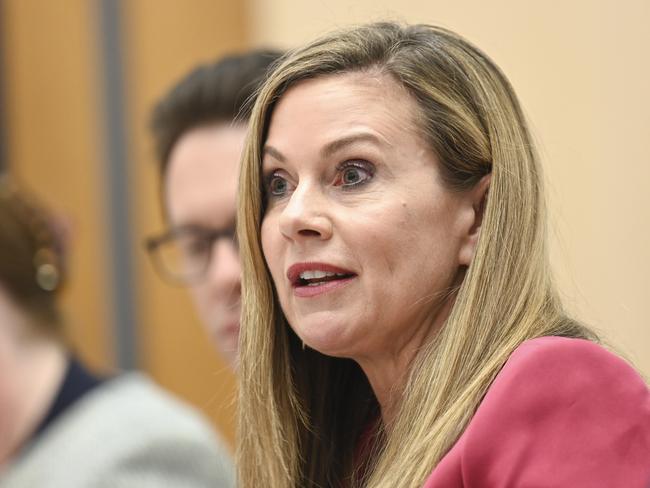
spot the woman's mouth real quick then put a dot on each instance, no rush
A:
(312, 279)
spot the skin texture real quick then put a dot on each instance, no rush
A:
(201, 185)
(405, 236)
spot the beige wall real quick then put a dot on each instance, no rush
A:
(582, 71)
(54, 145)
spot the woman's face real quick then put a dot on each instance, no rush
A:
(362, 239)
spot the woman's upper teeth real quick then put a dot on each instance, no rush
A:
(316, 274)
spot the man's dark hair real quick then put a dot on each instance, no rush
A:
(217, 92)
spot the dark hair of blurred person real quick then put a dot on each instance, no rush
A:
(215, 92)
(31, 257)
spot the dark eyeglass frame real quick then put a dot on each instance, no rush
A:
(208, 236)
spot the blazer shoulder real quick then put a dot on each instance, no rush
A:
(562, 412)
(567, 366)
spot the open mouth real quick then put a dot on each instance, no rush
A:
(308, 279)
(317, 277)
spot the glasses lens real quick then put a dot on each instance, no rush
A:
(182, 258)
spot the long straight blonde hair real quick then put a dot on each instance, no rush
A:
(301, 413)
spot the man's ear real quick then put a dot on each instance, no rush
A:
(478, 197)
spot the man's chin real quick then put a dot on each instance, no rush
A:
(226, 341)
(230, 357)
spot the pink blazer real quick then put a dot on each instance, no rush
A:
(562, 413)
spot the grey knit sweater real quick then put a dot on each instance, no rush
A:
(126, 433)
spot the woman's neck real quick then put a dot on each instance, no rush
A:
(31, 370)
(389, 373)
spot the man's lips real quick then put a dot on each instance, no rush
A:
(294, 272)
(232, 328)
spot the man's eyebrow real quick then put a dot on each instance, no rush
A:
(202, 228)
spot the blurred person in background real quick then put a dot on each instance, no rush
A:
(61, 425)
(199, 128)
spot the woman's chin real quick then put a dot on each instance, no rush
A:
(330, 341)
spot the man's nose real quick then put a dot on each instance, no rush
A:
(224, 272)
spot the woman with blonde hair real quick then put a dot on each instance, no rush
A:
(400, 325)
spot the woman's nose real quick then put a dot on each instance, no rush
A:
(306, 215)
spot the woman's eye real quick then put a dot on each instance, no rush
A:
(353, 174)
(278, 186)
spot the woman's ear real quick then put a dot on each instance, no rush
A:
(478, 198)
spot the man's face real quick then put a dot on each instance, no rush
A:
(200, 192)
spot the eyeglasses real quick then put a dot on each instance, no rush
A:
(182, 255)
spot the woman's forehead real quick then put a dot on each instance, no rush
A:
(332, 106)
(371, 82)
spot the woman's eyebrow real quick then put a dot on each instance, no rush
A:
(332, 147)
(335, 146)
(274, 153)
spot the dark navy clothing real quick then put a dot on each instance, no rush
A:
(76, 383)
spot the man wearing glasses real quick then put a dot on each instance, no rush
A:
(199, 129)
